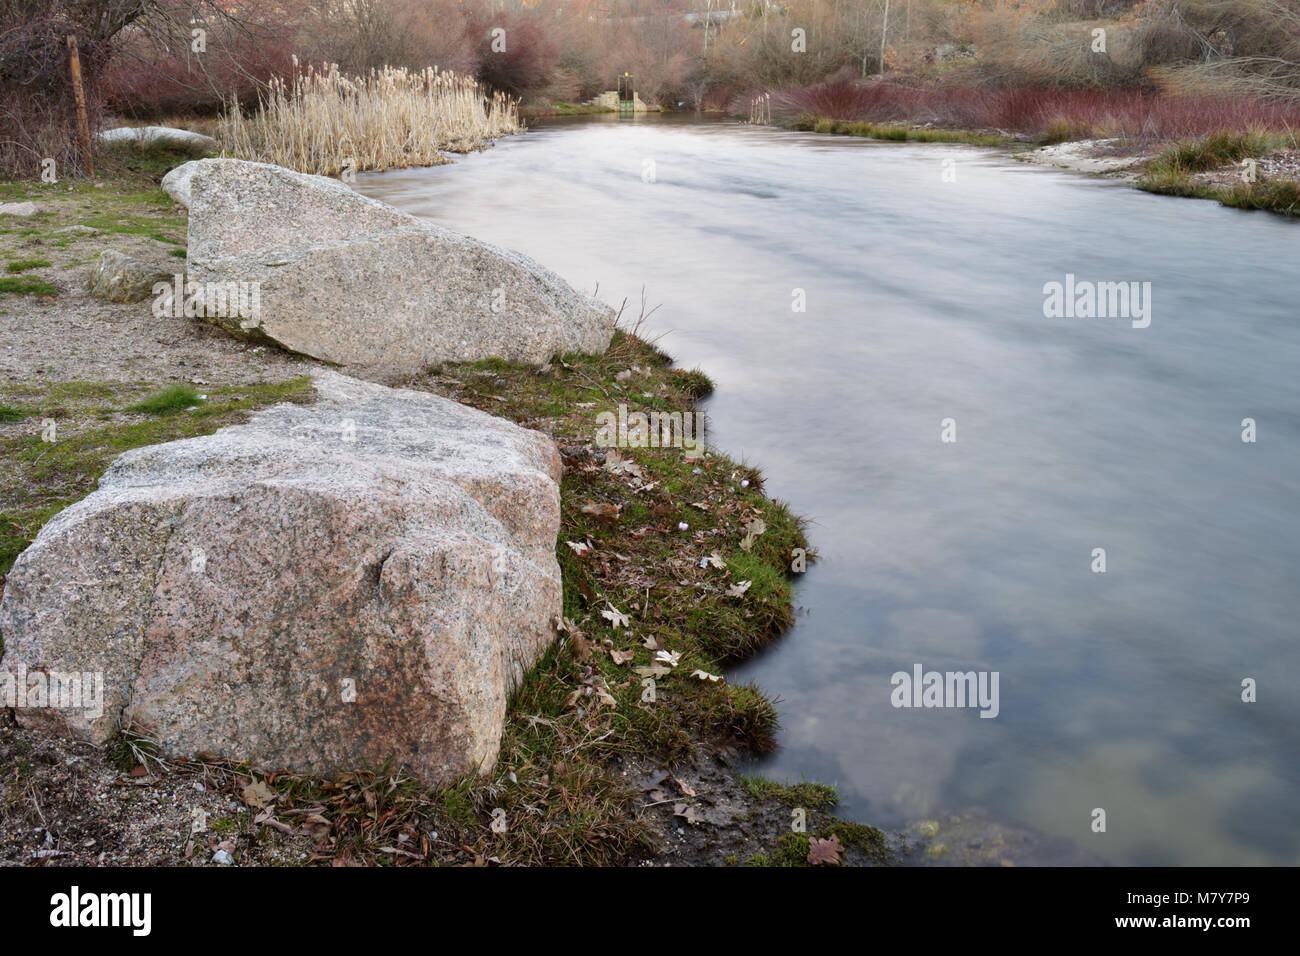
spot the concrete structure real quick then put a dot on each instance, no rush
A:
(609, 100)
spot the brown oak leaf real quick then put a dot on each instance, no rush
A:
(824, 851)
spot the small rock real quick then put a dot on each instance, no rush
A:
(120, 278)
(224, 858)
(18, 209)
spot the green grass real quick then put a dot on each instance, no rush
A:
(557, 777)
(1282, 197)
(1171, 172)
(133, 225)
(26, 285)
(810, 796)
(1224, 148)
(22, 265)
(900, 133)
(41, 478)
(169, 401)
(10, 414)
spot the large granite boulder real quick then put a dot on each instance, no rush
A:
(353, 281)
(324, 587)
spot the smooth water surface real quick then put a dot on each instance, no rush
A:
(1120, 690)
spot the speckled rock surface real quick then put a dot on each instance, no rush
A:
(152, 135)
(121, 278)
(321, 588)
(353, 281)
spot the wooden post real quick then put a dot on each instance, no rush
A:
(82, 124)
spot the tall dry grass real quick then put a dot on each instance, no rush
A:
(323, 120)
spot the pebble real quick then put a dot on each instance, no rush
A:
(224, 858)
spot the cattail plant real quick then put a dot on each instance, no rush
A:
(326, 122)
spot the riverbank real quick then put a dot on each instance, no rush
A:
(690, 555)
(1211, 167)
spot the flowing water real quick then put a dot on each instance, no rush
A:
(924, 297)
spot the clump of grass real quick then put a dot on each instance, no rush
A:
(322, 122)
(26, 285)
(130, 747)
(810, 796)
(1279, 196)
(1224, 148)
(693, 382)
(1057, 131)
(9, 413)
(170, 400)
(22, 265)
(1173, 182)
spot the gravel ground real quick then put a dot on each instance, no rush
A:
(73, 336)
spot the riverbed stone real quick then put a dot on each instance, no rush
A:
(351, 280)
(322, 588)
(118, 277)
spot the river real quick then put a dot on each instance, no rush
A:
(922, 271)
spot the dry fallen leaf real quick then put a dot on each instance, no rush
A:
(739, 589)
(651, 643)
(669, 657)
(617, 464)
(685, 787)
(655, 672)
(715, 560)
(752, 531)
(622, 657)
(257, 794)
(705, 675)
(601, 511)
(824, 851)
(688, 813)
(266, 819)
(616, 617)
(580, 548)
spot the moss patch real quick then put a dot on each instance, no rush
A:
(26, 285)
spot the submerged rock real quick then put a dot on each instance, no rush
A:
(324, 587)
(351, 280)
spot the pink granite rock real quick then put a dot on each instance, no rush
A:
(323, 588)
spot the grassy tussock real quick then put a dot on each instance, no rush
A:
(1222, 148)
(323, 121)
(1173, 172)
